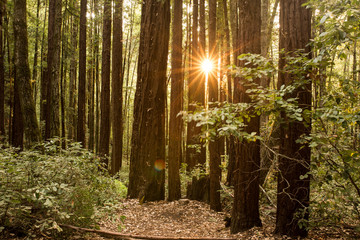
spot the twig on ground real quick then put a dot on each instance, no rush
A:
(116, 235)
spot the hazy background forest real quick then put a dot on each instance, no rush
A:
(249, 106)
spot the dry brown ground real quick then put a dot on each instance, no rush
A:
(187, 218)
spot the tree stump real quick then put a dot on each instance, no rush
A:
(199, 189)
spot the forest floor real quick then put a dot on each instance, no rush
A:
(187, 218)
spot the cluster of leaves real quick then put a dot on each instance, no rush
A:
(336, 158)
(335, 136)
(40, 189)
(230, 119)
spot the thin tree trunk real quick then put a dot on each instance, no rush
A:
(35, 66)
(44, 78)
(176, 103)
(234, 24)
(202, 33)
(72, 118)
(2, 74)
(63, 71)
(17, 132)
(196, 92)
(117, 90)
(91, 84)
(81, 121)
(105, 86)
(97, 78)
(11, 76)
(214, 145)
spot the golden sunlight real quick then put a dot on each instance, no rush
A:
(207, 66)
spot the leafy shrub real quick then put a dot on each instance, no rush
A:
(40, 189)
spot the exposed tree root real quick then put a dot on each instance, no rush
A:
(116, 235)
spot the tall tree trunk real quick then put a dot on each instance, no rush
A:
(11, 76)
(176, 103)
(52, 128)
(44, 78)
(72, 118)
(147, 165)
(117, 84)
(202, 33)
(245, 212)
(294, 161)
(97, 76)
(17, 131)
(234, 25)
(2, 73)
(214, 145)
(27, 104)
(91, 83)
(227, 58)
(35, 66)
(81, 122)
(196, 91)
(105, 86)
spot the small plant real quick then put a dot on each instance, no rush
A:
(39, 190)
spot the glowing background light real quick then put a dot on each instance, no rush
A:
(207, 66)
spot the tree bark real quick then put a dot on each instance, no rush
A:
(36, 47)
(176, 103)
(245, 212)
(214, 144)
(234, 25)
(294, 161)
(195, 151)
(81, 120)
(117, 91)
(2, 73)
(147, 164)
(202, 33)
(17, 132)
(72, 120)
(105, 86)
(44, 78)
(27, 104)
(91, 83)
(52, 127)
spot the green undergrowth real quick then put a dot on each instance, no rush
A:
(42, 189)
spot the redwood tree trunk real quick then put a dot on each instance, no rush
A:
(27, 104)
(105, 85)
(196, 91)
(294, 161)
(117, 98)
(81, 120)
(52, 127)
(234, 25)
(245, 212)
(215, 144)
(147, 164)
(2, 74)
(176, 102)
(73, 74)
(17, 131)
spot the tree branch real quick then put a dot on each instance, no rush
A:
(116, 235)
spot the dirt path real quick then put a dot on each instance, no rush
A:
(187, 218)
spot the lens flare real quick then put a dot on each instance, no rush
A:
(207, 66)
(159, 165)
